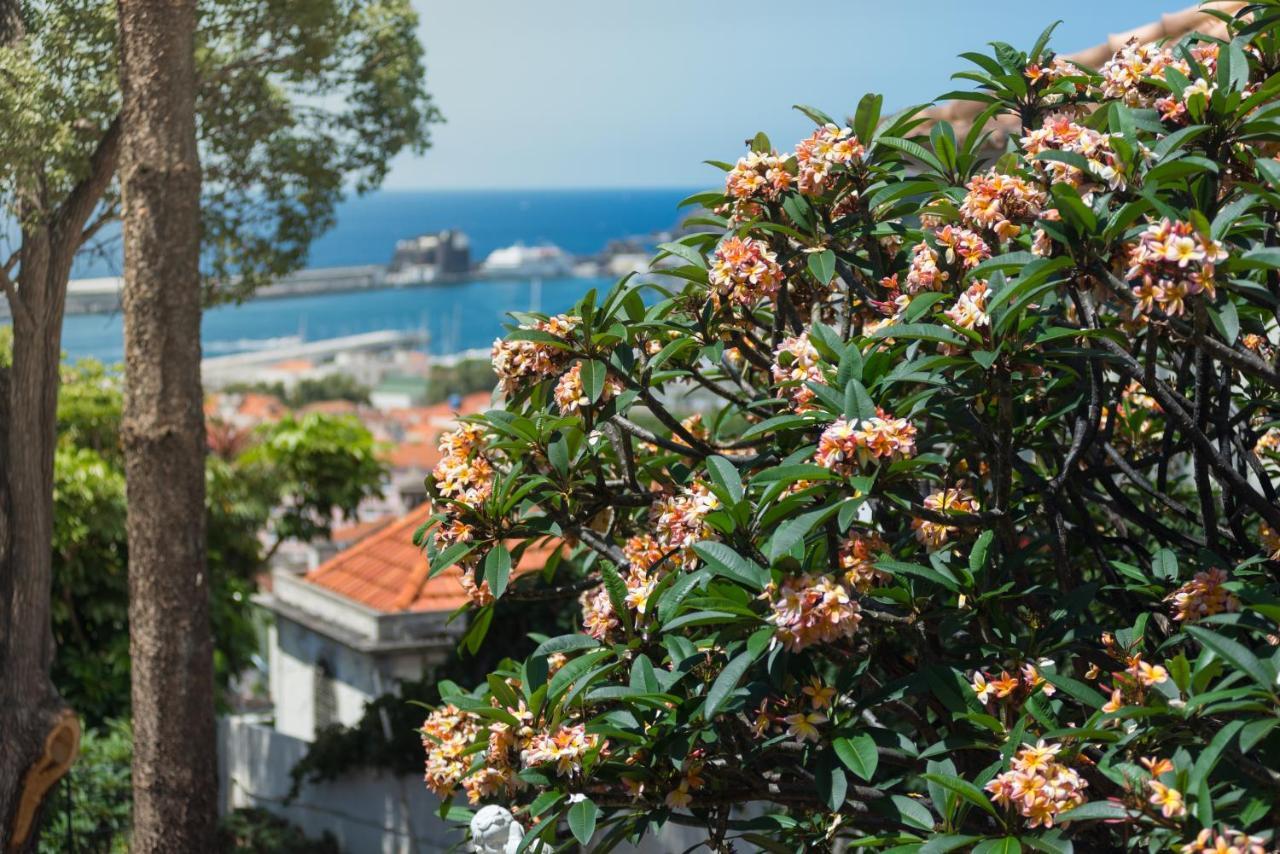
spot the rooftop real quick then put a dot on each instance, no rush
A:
(386, 572)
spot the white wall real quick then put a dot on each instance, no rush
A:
(294, 652)
(367, 812)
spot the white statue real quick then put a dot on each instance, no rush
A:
(494, 830)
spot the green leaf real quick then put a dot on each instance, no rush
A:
(724, 475)
(1165, 564)
(822, 265)
(1226, 319)
(449, 557)
(920, 332)
(858, 754)
(916, 150)
(566, 643)
(723, 560)
(964, 789)
(593, 377)
(978, 554)
(1007, 845)
(1075, 689)
(1209, 757)
(1095, 810)
(726, 682)
(793, 531)
(912, 812)
(1235, 653)
(945, 843)
(582, 820)
(681, 250)
(497, 569)
(617, 590)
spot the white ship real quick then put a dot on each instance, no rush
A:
(528, 262)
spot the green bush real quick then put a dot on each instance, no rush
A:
(977, 549)
(91, 810)
(257, 831)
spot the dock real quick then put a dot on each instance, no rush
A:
(102, 295)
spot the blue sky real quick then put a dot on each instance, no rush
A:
(624, 93)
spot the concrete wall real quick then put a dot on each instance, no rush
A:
(294, 653)
(367, 812)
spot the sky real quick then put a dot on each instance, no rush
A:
(624, 93)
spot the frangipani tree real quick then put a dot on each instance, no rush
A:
(971, 542)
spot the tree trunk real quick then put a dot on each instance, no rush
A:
(39, 728)
(174, 780)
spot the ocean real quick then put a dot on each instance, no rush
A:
(457, 317)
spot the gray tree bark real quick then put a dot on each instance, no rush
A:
(174, 779)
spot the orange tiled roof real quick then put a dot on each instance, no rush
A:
(414, 454)
(357, 531)
(261, 407)
(293, 366)
(386, 572)
(330, 407)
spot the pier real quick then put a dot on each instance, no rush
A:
(102, 295)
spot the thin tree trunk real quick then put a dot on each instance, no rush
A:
(174, 779)
(41, 733)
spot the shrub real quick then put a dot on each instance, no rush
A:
(92, 808)
(973, 545)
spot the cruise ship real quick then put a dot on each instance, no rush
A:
(527, 262)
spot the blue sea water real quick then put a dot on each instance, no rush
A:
(457, 317)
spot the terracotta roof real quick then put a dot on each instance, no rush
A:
(293, 366)
(354, 533)
(386, 572)
(331, 407)
(261, 407)
(1174, 25)
(422, 427)
(417, 454)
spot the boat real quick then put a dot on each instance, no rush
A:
(527, 262)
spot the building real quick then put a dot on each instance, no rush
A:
(430, 258)
(344, 633)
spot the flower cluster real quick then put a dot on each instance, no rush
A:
(758, 176)
(678, 520)
(1050, 73)
(1203, 596)
(518, 362)
(1006, 686)
(644, 555)
(744, 271)
(970, 309)
(828, 148)
(857, 555)
(571, 396)
(1129, 687)
(810, 609)
(845, 443)
(1225, 841)
(566, 748)
(1127, 75)
(1061, 134)
(446, 736)
(953, 499)
(963, 244)
(924, 273)
(1001, 203)
(795, 363)
(464, 473)
(1170, 262)
(1039, 785)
